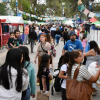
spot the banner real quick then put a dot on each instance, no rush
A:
(79, 2)
(81, 7)
(40, 18)
(91, 14)
(86, 11)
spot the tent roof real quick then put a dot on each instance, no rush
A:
(97, 22)
(13, 19)
(26, 22)
(7, 20)
(69, 22)
(92, 20)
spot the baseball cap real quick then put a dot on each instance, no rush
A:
(72, 33)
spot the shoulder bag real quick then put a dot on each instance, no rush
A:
(47, 52)
(76, 90)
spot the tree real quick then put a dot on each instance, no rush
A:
(2, 9)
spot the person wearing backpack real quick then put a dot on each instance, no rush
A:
(63, 75)
(31, 71)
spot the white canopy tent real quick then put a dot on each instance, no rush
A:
(7, 20)
(13, 19)
(70, 22)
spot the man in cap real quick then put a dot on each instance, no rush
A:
(72, 44)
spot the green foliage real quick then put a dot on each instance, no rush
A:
(26, 5)
(52, 7)
(96, 8)
(2, 9)
(13, 4)
(98, 18)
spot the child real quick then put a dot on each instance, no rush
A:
(53, 52)
(11, 40)
(63, 74)
(84, 40)
(43, 74)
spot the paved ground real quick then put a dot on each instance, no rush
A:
(56, 96)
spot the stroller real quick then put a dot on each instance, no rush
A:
(56, 80)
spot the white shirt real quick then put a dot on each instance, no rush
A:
(76, 31)
(12, 94)
(64, 68)
(93, 70)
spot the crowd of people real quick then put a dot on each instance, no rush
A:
(17, 74)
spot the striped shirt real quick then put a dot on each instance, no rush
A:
(83, 73)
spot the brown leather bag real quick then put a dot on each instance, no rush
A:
(76, 90)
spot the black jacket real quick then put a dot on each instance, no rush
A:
(66, 36)
(58, 32)
(33, 35)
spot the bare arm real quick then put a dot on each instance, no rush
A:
(90, 53)
(93, 79)
(48, 46)
(63, 52)
(43, 83)
(11, 45)
(61, 75)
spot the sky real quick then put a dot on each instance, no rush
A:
(41, 1)
(97, 1)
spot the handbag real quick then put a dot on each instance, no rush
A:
(76, 90)
(41, 96)
(47, 52)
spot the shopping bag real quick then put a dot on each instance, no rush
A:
(41, 96)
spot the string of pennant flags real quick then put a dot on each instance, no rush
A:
(41, 16)
(83, 9)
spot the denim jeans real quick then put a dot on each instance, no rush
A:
(28, 94)
(57, 38)
(26, 39)
(32, 44)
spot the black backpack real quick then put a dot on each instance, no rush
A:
(58, 82)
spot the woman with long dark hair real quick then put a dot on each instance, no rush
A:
(13, 77)
(31, 71)
(43, 73)
(63, 74)
(93, 55)
(75, 60)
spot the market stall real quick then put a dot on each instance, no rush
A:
(12, 23)
(1, 20)
(95, 32)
